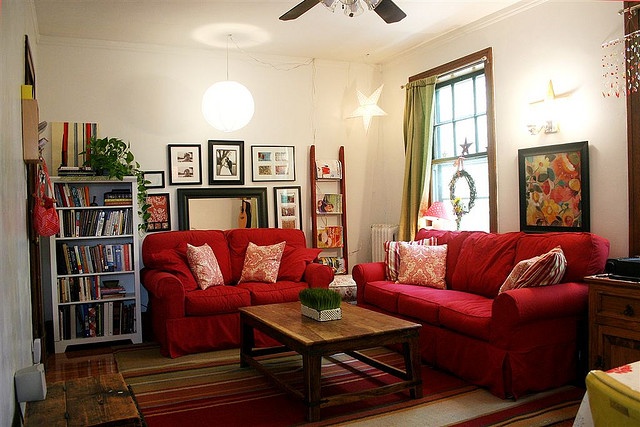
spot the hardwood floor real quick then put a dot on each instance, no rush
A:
(86, 362)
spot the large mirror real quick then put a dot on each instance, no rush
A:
(222, 208)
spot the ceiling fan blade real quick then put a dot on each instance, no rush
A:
(299, 9)
(389, 11)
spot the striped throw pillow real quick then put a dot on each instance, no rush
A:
(543, 270)
(392, 255)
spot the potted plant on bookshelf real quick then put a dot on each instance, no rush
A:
(112, 157)
(320, 304)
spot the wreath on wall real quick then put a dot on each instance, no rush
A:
(459, 208)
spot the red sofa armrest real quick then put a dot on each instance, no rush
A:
(528, 305)
(318, 275)
(367, 272)
(166, 293)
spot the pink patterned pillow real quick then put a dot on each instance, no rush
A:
(204, 266)
(392, 255)
(261, 263)
(543, 270)
(517, 271)
(423, 265)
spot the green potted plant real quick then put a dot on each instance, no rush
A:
(320, 304)
(112, 157)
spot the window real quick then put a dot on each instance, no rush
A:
(460, 129)
(463, 114)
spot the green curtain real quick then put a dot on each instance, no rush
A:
(418, 130)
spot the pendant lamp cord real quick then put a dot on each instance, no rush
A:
(228, 37)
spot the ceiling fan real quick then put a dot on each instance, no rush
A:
(386, 9)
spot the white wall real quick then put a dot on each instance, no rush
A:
(554, 40)
(15, 303)
(151, 97)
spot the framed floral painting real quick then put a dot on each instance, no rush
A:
(159, 211)
(554, 188)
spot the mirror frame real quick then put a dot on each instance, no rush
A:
(187, 194)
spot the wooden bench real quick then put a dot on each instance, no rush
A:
(90, 401)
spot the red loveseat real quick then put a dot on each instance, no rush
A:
(522, 340)
(186, 319)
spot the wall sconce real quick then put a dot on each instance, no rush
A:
(545, 113)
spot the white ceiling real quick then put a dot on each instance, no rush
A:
(255, 26)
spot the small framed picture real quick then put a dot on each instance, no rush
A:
(185, 166)
(273, 163)
(288, 207)
(155, 179)
(160, 219)
(226, 162)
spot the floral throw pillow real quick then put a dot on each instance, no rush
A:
(423, 265)
(392, 255)
(204, 266)
(543, 270)
(261, 263)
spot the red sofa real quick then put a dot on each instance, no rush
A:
(518, 341)
(186, 319)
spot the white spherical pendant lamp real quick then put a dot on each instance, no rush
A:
(228, 106)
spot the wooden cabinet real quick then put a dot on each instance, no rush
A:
(329, 210)
(95, 283)
(614, 322)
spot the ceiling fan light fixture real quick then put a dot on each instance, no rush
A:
(354, 8)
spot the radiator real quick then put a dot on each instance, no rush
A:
(380, 233)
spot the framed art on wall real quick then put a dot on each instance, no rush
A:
(554, 188)
(273, 163)
(155, 179)
(160, 219)
(185, 167)
(288, 207)
(226, 162)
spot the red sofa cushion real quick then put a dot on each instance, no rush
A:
(177, 240)
(383, 294)
(294, 262)
(272, 293)
(453, 240)
(484, 262)
(424, 303)
(172, 261)
(586, 253)
(239, 238)
(470, 316)
(216, 300)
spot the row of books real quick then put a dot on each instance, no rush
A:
(68, 195)
(97, 222)
(96, 319)
(88, 288)
(85, 259)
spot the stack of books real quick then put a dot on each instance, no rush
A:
(75, 171)
(118, 197)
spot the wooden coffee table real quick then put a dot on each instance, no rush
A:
(358, 329)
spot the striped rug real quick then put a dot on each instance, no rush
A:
(210, 389)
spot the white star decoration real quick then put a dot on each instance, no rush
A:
(368, 108)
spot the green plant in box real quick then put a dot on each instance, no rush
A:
(320, 298)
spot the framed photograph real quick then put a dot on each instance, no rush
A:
(155, 178)
(273, 163)
(554, 188)
(160, 219)
(288, 207)
(226, 162)
(185, 166)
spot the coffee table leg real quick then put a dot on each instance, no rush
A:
(247, 342)
(312, 367)
(412, 365)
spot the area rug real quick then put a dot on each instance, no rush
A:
(210, 389)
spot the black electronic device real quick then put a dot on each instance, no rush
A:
(623, 268)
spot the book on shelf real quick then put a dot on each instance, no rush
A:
(118, 197)
(329, 237)
(84, 259)
(75, 171)
(96, 319)
(329, 203)
(328, 169)
(336, 263)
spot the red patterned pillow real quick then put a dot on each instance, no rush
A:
(204, 266)
(261, 263)
(423, 265)
(392, 255)
(543, 270)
